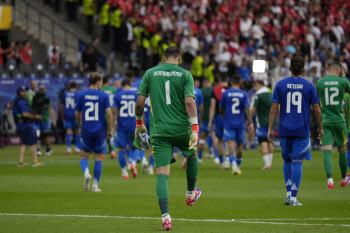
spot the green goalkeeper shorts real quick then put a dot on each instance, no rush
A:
(338, 131)
(163, 147)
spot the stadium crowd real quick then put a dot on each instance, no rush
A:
(223, 35)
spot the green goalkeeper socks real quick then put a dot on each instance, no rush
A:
(343, 163)
(163, 193)
(327, 160)
(191, 172)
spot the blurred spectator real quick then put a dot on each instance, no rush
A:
(317, 65)
(71, 6)
(90, 59)
(104, 22)
(223, 58)
(189, 46)
(2, 52)
(52, 47)
(26, 59)
(245, 25)
(89, 10)
(11, 54)
(55, 58)
(244, 70)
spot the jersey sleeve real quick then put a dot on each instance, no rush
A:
(201, 98)
(255, 102)
(222, 101)
(314, 95)
(275, 95)
(347, 85)
(78, 104)
(115, 101)
(143, 90)
(246, 100)
(188, 92)
(23, 106)
(107, 104)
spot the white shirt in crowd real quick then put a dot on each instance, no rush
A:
(338, 32)
(244, 26)
(190, 45)
(50, 48)
(318, 66)
(223, 59)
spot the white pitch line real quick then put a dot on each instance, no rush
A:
(249, 221)
(292, 223)
(292, 219)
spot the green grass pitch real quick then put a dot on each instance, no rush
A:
(254, 199)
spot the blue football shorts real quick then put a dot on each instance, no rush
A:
(237, 135)
(295, 148)
(203, 128)
(219, 126)
(28, 135)
(70, 123)
(96, 145)
(125, 138)
(42, 126)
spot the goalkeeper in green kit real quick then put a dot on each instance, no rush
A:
(331, 91)
(173, 123)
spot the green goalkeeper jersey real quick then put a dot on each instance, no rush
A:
(262, 102)
(110, 91)
(168, 85)
(347, 110)
(331, 91)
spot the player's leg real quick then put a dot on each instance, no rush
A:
(240, 138)
(265, 153)
(21, 156)
(163, 155)
(134, 152)
(122, 142)
(348, 154)
(67, 125)
(287, 166)
(201, 144)
(151, 157)
(210, 146)
(343, 165)
(216, 151)
(270, 149)
(326, 142)
(230, 145)
(219, 133)
(301, 149)
(77, 141)
(29, 138)
(341, 140)
(86, 147)
(97, 172)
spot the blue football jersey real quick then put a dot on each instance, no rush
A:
(199, 98)
(147, 110)
(68, 100)
(93, 103)
(234, 102)
(295, 95)
(125, 101)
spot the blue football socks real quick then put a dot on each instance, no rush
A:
(200, 153)
(151, 161)
(216, 153)
(287, 172)
(210, 143)
(348, 155)
(121, 158)
(239, 162)
(141, 154)
(296, 176)
(233, 158)
(68, 140)
(97, 170)
(84, 164)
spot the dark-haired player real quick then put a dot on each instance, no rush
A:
(68, 102)
(331, 91)
(90, 116)
(173, 123)
(234, 105)
(294, 95)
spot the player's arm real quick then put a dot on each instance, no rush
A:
(212, 112)
(115, 117)
(77, 118)
(318, 116)
(249, 122)
(272, 117)
(139, 109)
(61, 109)
(53, 116)
(201, 112)
(31, 116)
(253, 111)
(191, 110)
(110, 123)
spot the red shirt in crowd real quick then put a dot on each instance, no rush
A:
(25, 54)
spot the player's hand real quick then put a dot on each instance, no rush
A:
(210, 126)
(38, 117)
(140, 129)
(270, 135)
(54, 124)
(110, 134)
(320, 133)
(250, 128)
(79, 131)
(193, 140)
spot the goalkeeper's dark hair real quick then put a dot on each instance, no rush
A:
(259, 81)
(73, 85)
(223, 77)
(235, 80)
(172, 51)
(126, 82)
(94, 77)
(106, 79)
(130, 74)
(297, 65)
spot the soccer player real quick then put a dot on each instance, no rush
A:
(25, 127)
(331, 91)
(347, 120)
(219, 126)
(90, 110)
(173, 114)
(110, 91)
(147, 112)
(207, 91)
(124, 123)
(68, 102)
(294, 95)
(261, 107)
(234, 105)
(200, 107)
